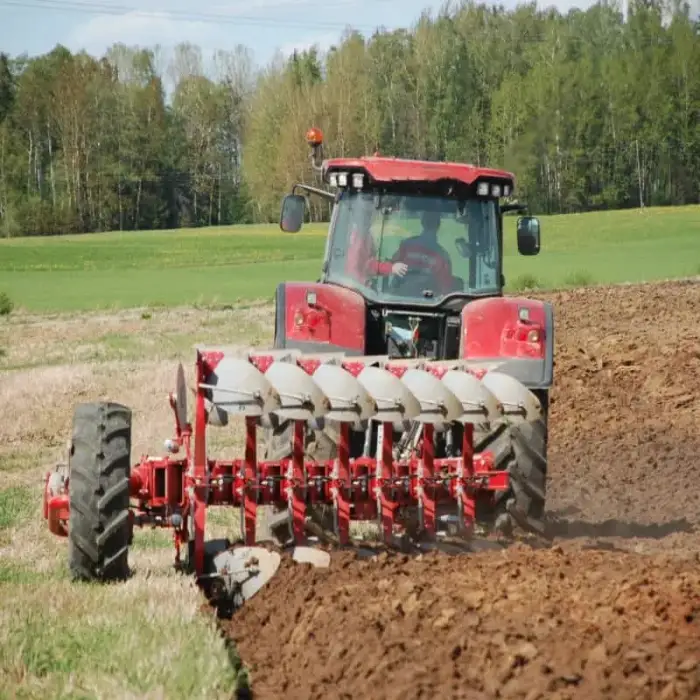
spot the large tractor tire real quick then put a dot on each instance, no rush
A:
(521, 450)
(100, 467)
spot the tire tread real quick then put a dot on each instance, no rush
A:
(100, 469)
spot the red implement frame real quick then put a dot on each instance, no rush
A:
(175, 492)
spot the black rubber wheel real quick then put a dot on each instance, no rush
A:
(521, 450)
(100, 467)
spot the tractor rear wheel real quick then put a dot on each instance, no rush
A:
(100, 467)
(521, 450)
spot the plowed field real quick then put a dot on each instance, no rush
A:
(609, 609)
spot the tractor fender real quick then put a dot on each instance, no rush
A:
(512, 334)
(315, 317)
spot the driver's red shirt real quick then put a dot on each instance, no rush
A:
(419, 256)
(361, 262)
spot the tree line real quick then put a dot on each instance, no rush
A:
(590, 109)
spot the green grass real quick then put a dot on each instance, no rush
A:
(228, 265)
(64, 639)
(59, 644)
(17, 575)
(16, 505)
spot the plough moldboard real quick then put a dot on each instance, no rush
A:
(432, 406)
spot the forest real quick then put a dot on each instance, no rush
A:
(590, 109)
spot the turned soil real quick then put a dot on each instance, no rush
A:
(609, 608)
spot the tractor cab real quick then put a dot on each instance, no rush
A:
(417, 240)
(413, 248)
(443, 221)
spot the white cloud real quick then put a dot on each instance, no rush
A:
(323, 42)
(239, 7)
(152, 25)
(134, 28)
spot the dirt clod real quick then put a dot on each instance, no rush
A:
(611, 610)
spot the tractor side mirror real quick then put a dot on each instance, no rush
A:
(292, 216)
(528, 235)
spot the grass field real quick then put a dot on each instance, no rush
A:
(236, 264)
(147, 638)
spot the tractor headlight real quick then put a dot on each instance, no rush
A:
(342, 179)
(358, 180)
(333, 179)
(482, 189)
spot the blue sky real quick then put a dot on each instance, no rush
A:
(265, 26)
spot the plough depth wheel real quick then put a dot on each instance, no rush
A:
(99, 528)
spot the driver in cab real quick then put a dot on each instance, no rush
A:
(362, 262)
(424, 254)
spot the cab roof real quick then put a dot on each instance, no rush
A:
(387, 169)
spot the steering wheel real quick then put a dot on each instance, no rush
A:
(416, 279)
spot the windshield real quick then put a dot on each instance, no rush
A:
(414, 248)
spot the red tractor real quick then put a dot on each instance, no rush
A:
(403, 388)
(413, 269)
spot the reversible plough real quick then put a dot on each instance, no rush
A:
(355, 393)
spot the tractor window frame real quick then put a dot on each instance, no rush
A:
(470, 269)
